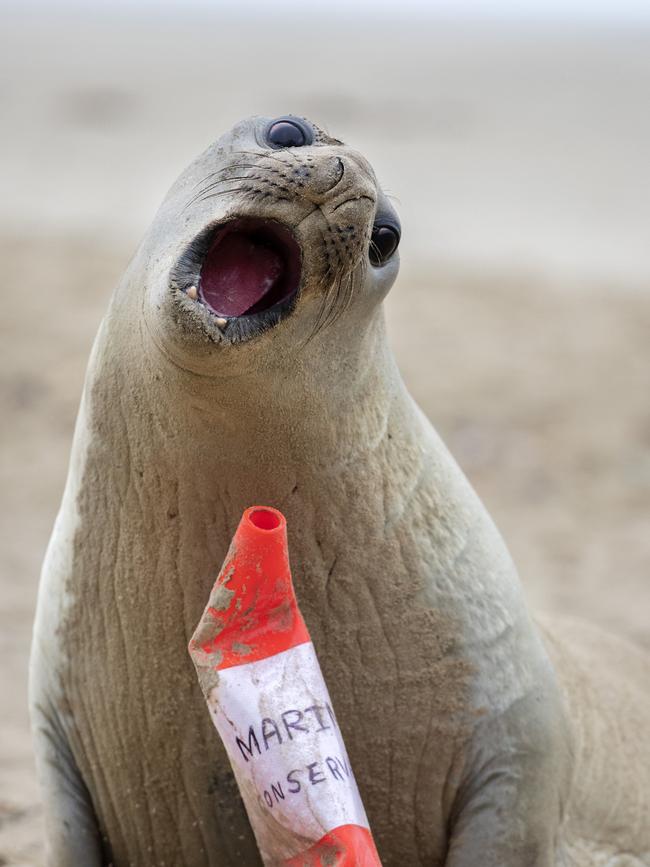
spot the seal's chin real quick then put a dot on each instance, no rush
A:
(251, 267)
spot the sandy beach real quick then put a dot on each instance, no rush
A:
(521, 319)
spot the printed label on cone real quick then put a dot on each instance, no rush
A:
(276, 720)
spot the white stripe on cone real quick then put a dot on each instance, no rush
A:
(276, 720)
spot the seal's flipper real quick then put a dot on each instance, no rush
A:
(511, 804)
(71, 830)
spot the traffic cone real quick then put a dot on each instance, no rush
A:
(265, 691)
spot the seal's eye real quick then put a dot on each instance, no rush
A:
(383, 243)
(285, 133)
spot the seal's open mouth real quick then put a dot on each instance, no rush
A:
(245, 273)
(250, 267)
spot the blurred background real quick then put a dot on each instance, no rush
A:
(515, 137)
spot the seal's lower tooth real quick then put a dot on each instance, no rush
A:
(221, 322)
(192, 293)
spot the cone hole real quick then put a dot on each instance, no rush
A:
(265, 519)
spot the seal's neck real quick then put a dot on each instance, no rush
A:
(320, 405)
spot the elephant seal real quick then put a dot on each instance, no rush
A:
(243, 359)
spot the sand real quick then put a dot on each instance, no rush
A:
(521, 319)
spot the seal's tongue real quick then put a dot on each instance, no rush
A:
(238, 272)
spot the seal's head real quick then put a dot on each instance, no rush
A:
(267, 239)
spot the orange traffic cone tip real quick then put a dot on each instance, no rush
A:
(252, 612)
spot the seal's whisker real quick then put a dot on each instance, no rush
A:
(336, 298)
(347, 300)
(343, 298)
(330, 299)
(338, 294)
(260, 168)
(223, 180)
(319, 318)
(329, 302)
(223, 170)
(227, 180)
(201, 193)
(242, 188)
(257, 166)
(318, 324)
(214, 195)
(201, 196)
(375, 249)
(329, 287)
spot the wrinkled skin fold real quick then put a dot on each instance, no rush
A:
(477, 737)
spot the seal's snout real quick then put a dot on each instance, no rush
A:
(322, 178)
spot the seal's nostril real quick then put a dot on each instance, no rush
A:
(335, 172)
(326, 175)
